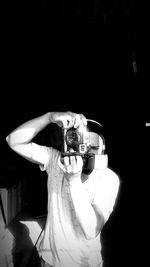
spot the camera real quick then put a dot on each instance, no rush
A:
(77, 140)
(83, 141)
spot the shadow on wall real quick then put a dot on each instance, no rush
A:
(18, 245)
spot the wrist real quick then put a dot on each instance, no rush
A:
(75, 179)
(50, 117)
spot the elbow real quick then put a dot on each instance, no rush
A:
(92, 233)
(8, 140)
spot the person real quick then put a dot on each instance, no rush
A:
(79, 202)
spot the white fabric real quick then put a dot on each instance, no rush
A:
(63, 242)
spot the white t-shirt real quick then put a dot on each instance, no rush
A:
(63, 242)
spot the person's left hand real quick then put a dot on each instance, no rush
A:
(73, 167)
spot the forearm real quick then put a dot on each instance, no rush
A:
(83, 209)
(28, 130)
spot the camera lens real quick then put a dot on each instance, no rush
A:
(73, 138)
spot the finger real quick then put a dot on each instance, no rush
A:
(76, 163)
(66, 161)
(60, 123)
(71, 122)
(73, 161)
(67, 121)
(74, 120)
(79, 162)
(80, 121)
(68, 169)
(84, 120)
(77, 121)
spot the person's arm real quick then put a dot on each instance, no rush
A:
(89, 216)
(20, 140)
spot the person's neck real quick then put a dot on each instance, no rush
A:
(84, 177)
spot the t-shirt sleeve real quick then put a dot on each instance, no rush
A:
(52, 154)
(105, 191)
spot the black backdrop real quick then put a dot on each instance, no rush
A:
(94, 11)
(95, 78)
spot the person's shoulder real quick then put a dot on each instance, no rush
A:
(107, 176)
(105, 182)
(112, 179)
(112, 173)
(106, 172)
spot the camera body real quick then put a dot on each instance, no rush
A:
(80, 141)
(76, 140)
(87, 142)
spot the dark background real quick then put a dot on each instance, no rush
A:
(94, 11)
(77, 11)
(91, 74)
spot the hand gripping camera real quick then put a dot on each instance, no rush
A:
(81, 141)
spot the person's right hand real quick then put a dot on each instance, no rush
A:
(68, 119)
